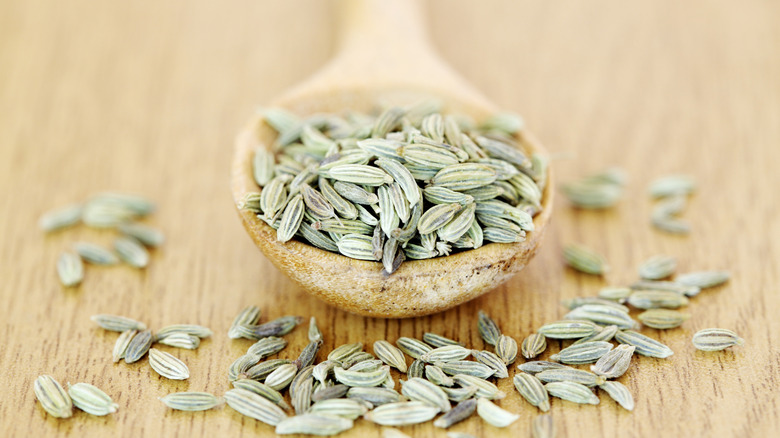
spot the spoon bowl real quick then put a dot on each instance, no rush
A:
(352, 81)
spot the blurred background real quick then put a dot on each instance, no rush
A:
(147, 97)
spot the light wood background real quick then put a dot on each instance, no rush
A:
(146, 96)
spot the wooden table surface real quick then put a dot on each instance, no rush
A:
(146, 96)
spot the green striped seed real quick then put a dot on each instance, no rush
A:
(345, 408)
(359, 174)
(484, 388)
(504, 170)
(191, 401)
(317, 204)
(402, 413)
(280, 377)
(53, 397)
(457, 394)
(537, 366)
(314, 333)
(672, 185)
(606, 334)
(358, 378)
(586, 352)
(506, 349)
(573, 392)
(592, 195)
(312, 424)
(117, 323)
(138, 346)
(70, 269)
(436, 376)
(91, 399)
(435, 340)
(657, 267)
(447, 353)
(441, 195)
(343, 226)
(95, 254)
(503, 149)
(532, 390)
(240, 366)
(618, 392)
(262, 370)
(343, 207)
(412, 347)
(652, 299)
(568, 374)
(493, 414)
(262, 390)
(167, 365)
(493, 361)
(355, 193)
(322, 393)
(60, 218)
(356, 246)
(466, 367)
(273, 198)
(436, 217)
(601, 314)
(458, 225)
(263, 166)
(387, 121)
(664, 215)
(400, 203)
(487, 328)
(190, 329)
(426, 392)
(381, 148)
(302, 390)
(250, 315)
(618, 294)
(584, 259)
(460, 412)
(502, 235)
(715, 339)
(377, 396)
(291, 219)
(670, 286)
(464, 176)
(254, 406)
(417, 369)
(615, 362)
(569, 329)
(662, 318)
(703, 279)
(181, 340)
(342, 352)
(120, 347)
(584, 301)
(267, 346)
(533, 345)
(388, 217)
(644, 345)
(432, 126)
(390, 355)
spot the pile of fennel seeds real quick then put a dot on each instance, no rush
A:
(107, 210)
(324, 392)
(407, 183)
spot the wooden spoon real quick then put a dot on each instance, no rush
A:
(384, 57)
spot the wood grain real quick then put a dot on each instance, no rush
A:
(147, 97)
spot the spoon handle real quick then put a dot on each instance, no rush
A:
(384, 45)
(392, 30)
